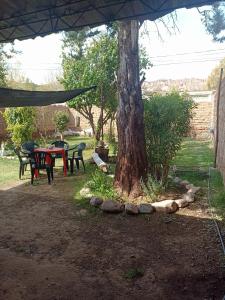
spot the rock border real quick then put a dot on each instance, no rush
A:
(166, 206)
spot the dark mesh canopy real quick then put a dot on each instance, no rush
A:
(22, 19)
(17, 98)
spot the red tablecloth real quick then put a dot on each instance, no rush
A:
(55, 150)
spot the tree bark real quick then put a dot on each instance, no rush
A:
(132, 160)
(92, 124)
(99, 128)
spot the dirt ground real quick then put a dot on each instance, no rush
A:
(51, 249)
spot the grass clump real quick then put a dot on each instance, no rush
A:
(102, 185)
(217, 193)
(134, 273)
(152, 188)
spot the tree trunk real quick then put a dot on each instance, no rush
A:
(132, 160)
(98, 132)
(100, 123)
(111, 133)
(92, 124)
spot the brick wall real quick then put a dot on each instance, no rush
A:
(200, 124)
(45, 124)
(202, 120)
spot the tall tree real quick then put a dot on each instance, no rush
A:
(95, 62)
(132, 160)
(214, 21)
(91, 65)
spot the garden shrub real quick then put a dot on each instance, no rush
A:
(167, 120)
(20, 122)
(61, 120)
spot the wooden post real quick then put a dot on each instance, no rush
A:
(217, 118)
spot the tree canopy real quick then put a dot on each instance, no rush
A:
(88, 62)
(61, 120)
(213, 78)
(214, 21)
(3, 66)
(20, 123)
(91, 58)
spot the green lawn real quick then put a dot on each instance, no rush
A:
(9, 168)
(195, 154)
(193, 162)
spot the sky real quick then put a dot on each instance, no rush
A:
(187, 53)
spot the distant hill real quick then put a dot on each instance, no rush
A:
(30, 86)
(165, 85)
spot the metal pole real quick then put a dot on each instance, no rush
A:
(217, 117)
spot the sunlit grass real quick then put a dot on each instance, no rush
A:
(9, 168)
(194, 162)
(195, 154)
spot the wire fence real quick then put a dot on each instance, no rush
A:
(205, 176)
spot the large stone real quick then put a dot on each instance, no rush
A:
(95, 201)
(112, 206)
(131, 209)
(181, 203)
(194, 189)
(189, 197)
(166, 206)
(146, 208)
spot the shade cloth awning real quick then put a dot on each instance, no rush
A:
(18, 98)
(22, 19)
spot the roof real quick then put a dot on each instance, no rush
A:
(22, 19)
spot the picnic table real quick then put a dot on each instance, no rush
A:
(55, 150)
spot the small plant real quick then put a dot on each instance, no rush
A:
(134, 273)
(102, 184)
(113, 143)
(152, 188)
(61, 120)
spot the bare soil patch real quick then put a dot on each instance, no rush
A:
(48, 250)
